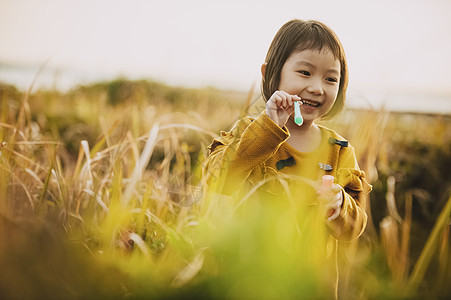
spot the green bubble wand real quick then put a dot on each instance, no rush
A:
(297, 113)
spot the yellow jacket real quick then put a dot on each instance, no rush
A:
(254, 153)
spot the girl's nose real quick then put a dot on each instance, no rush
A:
(315, 87)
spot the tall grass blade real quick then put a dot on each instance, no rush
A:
(190, 271)
(140, 243)
(142, 162)
(41, 203)
(85, 146)
(405, 238)
(429, 250)
(443, 259)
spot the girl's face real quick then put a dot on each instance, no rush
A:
(315, 77)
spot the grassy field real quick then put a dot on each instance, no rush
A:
(101, 197)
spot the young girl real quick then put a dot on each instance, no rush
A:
(274, 155)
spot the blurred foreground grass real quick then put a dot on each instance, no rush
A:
(100, 197)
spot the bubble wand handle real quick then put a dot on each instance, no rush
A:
(297, 113)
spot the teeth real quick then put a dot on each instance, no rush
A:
(311, 103)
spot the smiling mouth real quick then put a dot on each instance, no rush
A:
(310, 103)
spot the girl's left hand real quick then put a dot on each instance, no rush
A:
(332, 199)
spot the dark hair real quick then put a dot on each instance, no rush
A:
(299, 35)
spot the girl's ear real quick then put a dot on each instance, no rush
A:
(263, 69)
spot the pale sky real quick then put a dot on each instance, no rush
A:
(390, 44)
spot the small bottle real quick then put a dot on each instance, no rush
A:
(327, 181)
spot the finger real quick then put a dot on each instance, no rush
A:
(336, 188)
(278, 100)
(333, 211)
(334, 215)
(284, 100)
(330, 212)
(289, 102)
(292, 99)
(332, 206)
(276, 94)
(284, 93)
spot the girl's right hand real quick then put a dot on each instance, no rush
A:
(280, 107)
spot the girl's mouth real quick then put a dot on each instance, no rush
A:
(310, 103)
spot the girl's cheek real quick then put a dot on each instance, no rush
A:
(334, 92)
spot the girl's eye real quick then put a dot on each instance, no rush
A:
(306, 73)
(332, 79)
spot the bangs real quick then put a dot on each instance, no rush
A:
(318, 38)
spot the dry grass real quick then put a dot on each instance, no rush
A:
(102, 199)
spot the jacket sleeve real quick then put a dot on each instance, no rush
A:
(236, 153)
(352, 219)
